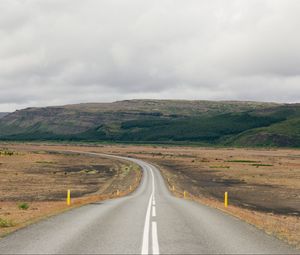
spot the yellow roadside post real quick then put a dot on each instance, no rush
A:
(226, 199)
(69, 197)
(184, 194)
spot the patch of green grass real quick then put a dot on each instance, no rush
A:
(125, 170)
(258, 165)
(6, 223)
(7, 152)
(39, 152)
(23, 206)
(242, 161)
(227, 167)
(88, 171)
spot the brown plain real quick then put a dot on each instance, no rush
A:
(263, 184)
(41, 179)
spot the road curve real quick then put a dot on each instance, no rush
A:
(149, 221)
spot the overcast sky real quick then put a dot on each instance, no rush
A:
(55, 52)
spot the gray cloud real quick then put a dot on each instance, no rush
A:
(68, 51)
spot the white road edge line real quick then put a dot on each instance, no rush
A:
(155, 247)
(145, 244)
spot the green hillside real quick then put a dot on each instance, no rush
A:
(167, 121)
(282, 134)
(194, 129)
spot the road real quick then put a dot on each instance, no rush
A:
(149, 221)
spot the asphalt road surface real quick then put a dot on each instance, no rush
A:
(149, 221)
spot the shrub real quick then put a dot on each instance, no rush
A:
(6, 152)
(5, 223)
(23, 206)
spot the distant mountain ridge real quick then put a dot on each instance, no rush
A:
(2, 114)
(166, 121)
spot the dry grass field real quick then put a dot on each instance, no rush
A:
(39, 180)
(263, 184)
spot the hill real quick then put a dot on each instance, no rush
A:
(166, 121)
(2, 114)
(285, 133)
